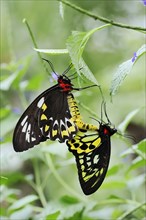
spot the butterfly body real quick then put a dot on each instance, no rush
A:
(92, 153)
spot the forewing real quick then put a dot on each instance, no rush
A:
(92, 158)
(27, 132)
(55, 119)
(48, 117)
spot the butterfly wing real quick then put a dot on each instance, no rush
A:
(92, 154)
(55, 119)
(47, 117)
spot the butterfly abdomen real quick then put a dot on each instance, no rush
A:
(74, 110)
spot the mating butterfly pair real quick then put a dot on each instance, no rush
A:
(54, 115)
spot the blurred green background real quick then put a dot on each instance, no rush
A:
(42, 183)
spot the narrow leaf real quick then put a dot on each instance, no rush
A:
(124, 69)
(52, 51)
(23, 202)
(122, 127)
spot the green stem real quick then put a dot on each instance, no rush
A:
(127, 214)
(100, 18)
(38, 186)
(88, 109)
(35, 44)
(60, 180)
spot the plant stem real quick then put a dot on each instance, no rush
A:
(100, 18)
(35, 44)
(128, 213)
(60, 180)
(38, 186)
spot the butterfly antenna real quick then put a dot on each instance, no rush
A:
(67, 70)
(79, 89)
(51, 65)
(105, 112)
(73, 78)
(95, 119)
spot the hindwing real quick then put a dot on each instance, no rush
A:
(92, 154)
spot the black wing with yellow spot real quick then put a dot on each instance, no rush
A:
(48, 117)
(92, 153)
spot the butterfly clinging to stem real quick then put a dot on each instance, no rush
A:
(53, 115)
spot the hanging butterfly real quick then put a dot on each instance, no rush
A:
(92, 153)
(53, 115)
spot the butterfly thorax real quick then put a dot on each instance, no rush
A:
(65, 84)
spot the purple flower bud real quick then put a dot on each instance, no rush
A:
(134, 57)
(144, 2)
(55, 76)
(17, 111)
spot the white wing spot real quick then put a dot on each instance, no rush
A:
(33, 139)
(96, 159)
(24, 120)
(51, 119)
(55, 123)
(28, 133)
(24, 127)
(40, 103)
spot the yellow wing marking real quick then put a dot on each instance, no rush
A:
(46, 128)
(54, 132)
(44, 107)
(43, 117)
(86, 141)
(64, 133)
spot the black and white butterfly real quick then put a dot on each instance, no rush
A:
(52, 115)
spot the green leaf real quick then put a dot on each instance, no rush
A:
(142, 146)
(70, 211)
(138, 149)
(24, 213)
(75, 45)
(23, 202)
(52, 51)
(5, 84)
(114, 185)
(124, 69)
(53, 216)
(69, 199)
(4, 112)
(87, 72)
(16, 71)
(136, 164)
(122, 127)
(113, 170)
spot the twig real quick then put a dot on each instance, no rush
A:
(100, 18)
(35, 44)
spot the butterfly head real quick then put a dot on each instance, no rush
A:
(106, 129)
(65, 83)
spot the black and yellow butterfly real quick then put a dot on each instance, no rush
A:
(53, 115)
(92, 153)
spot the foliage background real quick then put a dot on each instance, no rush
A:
(42, 183)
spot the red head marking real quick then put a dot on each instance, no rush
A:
(106, 131)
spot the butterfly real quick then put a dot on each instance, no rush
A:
(53, 115)
(92, 154)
